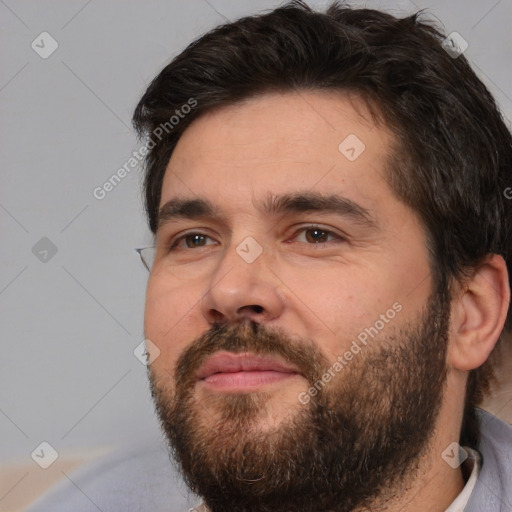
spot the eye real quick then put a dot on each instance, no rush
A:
(317, 235)
(311, 235)
(191, 240)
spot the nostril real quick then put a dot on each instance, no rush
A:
(257, 309)
(217, 316)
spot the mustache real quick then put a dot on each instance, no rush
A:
(250, 336)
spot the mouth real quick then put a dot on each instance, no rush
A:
(228, 372)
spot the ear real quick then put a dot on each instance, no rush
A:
(478, 314)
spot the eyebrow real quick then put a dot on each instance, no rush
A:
(272, 205)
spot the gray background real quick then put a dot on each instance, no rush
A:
(69, 325)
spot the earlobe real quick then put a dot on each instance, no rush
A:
(478, 315)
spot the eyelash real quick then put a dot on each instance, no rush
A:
(175, 243)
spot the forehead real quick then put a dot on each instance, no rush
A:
(278, 143)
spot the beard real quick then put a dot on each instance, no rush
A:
(356, 443)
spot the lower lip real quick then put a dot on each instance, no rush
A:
(245, 380)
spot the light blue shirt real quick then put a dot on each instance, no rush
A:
(144, 480)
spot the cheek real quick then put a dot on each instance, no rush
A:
(334, 304)
(344, 304)
(339, 293)
(167, 318)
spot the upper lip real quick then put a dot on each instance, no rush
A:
(227, 362)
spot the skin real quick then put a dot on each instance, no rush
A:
(235, 157)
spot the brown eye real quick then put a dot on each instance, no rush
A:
(195, 240)
(316, 235)
(190, 241)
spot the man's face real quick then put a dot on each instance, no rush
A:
(301, 342)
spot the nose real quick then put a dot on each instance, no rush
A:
(239, 290)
